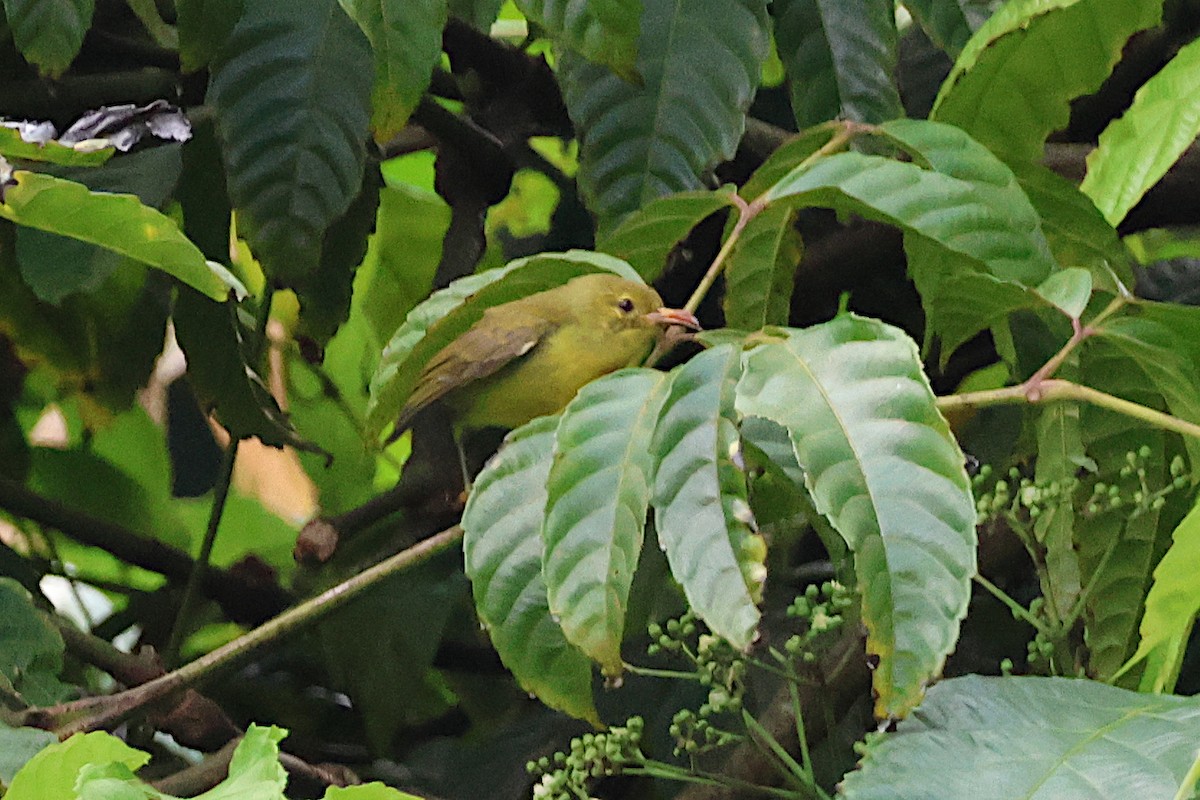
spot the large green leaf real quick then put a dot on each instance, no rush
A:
(254, 771)
(1014, 81)
(1077, 233)
(761, 271)
(1033, 738)
(203, 27)
(1156, 350)
(450, 312)
(967, 217)
(881, 464)
(49, 33)
(1117, 549)
(700, 64)
(972, 238)
(1171, 607)
(52, 772)
(840, 57)
(291, 91)
(647, 236)
(950, 23)
(406, 36)
(604, 31)
(117, 222)
(599, 491)
(1136, 150)
(701, 512)
(503, 552)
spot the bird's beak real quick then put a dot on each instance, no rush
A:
(674, 316)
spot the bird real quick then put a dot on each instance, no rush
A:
(527, 358)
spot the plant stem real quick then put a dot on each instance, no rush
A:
(104, 712)
(745, 214)
(1016, 608)
(1054, 389)
(191, 591)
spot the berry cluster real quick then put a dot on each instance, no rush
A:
(594, 755)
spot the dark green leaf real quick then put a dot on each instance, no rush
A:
(761, 270)
(840, 57)
(1076, 231)
(291, 92)
(32, 647)
(406, 37)
(212, 339)
(503, 552)
(1013, 84)
(647, 236)
(700, 66)
(203, 26)
(950, 23)
(1034, 738)
(49, 34)
(17, 746)
(325, 294)
(881, 464)
(598, 494)
(789, 155)
(604, 31)
(701, 511)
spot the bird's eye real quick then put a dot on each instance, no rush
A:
(625, 304)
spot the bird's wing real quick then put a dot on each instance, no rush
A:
(483, 350)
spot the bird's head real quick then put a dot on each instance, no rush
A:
(626, 305)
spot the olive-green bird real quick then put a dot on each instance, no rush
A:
(529, 357)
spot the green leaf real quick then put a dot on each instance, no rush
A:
(968, 217)
(203, 26)
(647, 236)
(480, 14)
(1171, 607)
(212, 338)
(55, 267)
(1014, 81)
(603, 31)
(51, 152)
(701, 511)
(598, 493)
(325, 293)
(49, 34)
(1117, 549)
(761, 271)
(117, 222)
(50, 775)
(254, 771)
(1077, 233)
(1033, 738)
(448, 313)
(950, 23)
(367, 791)
(1156, 351)
(881, 464)
(32, 647)
(840, 57)
(292, 97)
(18, 746)
(406, 37)
(700, 66)
(1068, 290)
(503, 553)
(1137, 149)
(1059, 456)
(787, 157)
